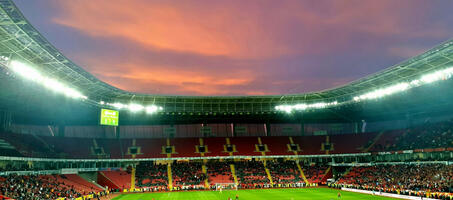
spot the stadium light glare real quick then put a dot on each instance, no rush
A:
(4, 58)
(25, 71)
(376, 94)
(285, 108)
(32, 74)
(152, 109)
(118, 105)
(429, 78)
(53, 85)
(135, 107)
(300, 107)
(383, 92)
(74, 93)
(437, 76)
(415, 83)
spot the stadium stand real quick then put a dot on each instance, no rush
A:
(121, 179)
(314, 173)
(150, 174)
(284, 172)
(251, 174)
(254, 141)
(219, 173)
(46, 187)
(428, 136)
(401, 178)
(188, 175)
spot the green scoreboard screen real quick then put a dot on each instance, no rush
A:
(109, 117)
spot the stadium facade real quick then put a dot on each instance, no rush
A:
(49, 124)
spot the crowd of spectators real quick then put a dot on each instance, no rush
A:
(314, 173)
(284, 172)
(187, 174)
(428, 136)
(34, 187)
(251, 174)
(219, 172)
(401, 178)
(150, 174)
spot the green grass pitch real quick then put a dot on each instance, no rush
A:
(264, 194)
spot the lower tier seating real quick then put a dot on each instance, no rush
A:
(314, 173)
(425, 177)
(120, 178)
(149, 174)
(219, 172)
(187, 174)
(46, 186)
(284, 172)
(251, 173)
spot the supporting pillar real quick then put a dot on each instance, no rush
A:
(302, 174)
(233, 173)
(170, 179)
(205, 171)
(268, 173)
(133, 178)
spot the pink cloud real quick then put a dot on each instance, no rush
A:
(170, 26)
(245, 35)
(406, 51)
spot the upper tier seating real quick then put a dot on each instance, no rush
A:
(429, 136)
(184, 147)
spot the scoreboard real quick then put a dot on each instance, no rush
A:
(109, 117)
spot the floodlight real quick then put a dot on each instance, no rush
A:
(135, 107)
(25, 71)
(118, 105)
(152, 109)
(32, 74)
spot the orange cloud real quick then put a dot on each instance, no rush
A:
(242, 47)
(240, 29)
(162, 25)
(161, 79)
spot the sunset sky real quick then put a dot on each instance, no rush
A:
(238, 47)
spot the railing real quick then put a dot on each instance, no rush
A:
(390, 163)
(44, 172)
(6, 158)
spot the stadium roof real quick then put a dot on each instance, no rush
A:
(21, 41)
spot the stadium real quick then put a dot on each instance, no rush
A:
(65, 134)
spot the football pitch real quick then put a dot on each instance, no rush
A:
(264, 194)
